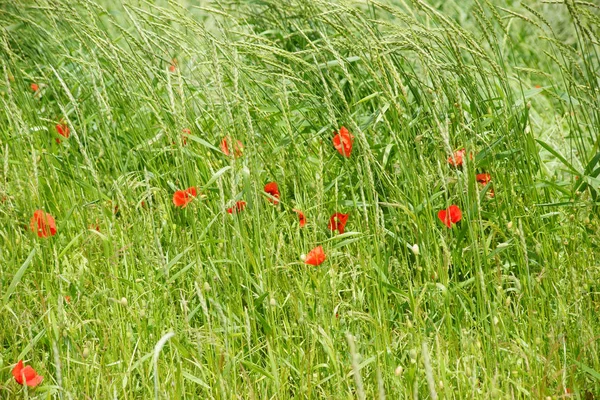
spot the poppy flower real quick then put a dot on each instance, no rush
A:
(238, 147)
(484, 179)
(301, 217)
(63, 130)
(95, 227)
(272, 189)
(239, 206)
(337, 222)
(450, 216)
(173, 66)
(316, 256)
(342, 142)
(26, 375)
(35, 87)
(185, 131)
(182, 198)
(43, 224)
(457, 159)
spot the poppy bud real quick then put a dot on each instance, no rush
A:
(123, 301)
(412, 353)
(273, 302)
(86, 353)
(399, 370)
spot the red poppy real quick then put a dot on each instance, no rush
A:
(35, 87)
(456, 160)
(239, 206)
(316, 256)
(450, 216)
(484, 179)
(301, 217)
(26, 375)
(186, 132)
(43, 224)
(95, 227)
(272, 189)
(173, 66)
(337, 222)
(63, 130)
(182, 198)
(342, 142)
(238, 147)
(68, 299)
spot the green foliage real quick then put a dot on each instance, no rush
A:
(503, 305)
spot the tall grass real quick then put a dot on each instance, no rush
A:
(504, 305)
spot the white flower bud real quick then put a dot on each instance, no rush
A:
(415, 249)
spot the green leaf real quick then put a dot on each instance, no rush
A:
(556, 154)
(17, 277)
(202, 142)
(595, 374)
(217, 175)
(195, 379)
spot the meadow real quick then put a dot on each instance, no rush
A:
(303, 199)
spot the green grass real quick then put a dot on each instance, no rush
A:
(196, 303)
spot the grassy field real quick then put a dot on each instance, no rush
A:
(109, 109)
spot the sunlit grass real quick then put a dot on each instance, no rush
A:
(137, 298)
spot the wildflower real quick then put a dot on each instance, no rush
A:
(185, 131)
(316, 256)
(484, 179)
(450, 216)
(35, 87)
(173, 66)
(272, 189)
(42, 224)
(456, 160)
(342, 142)
(415, 249)
(238, 147)
(26, 375)
(337, 222)
(63, 130)
(182, 198)
(301, 217)
(239, 206)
